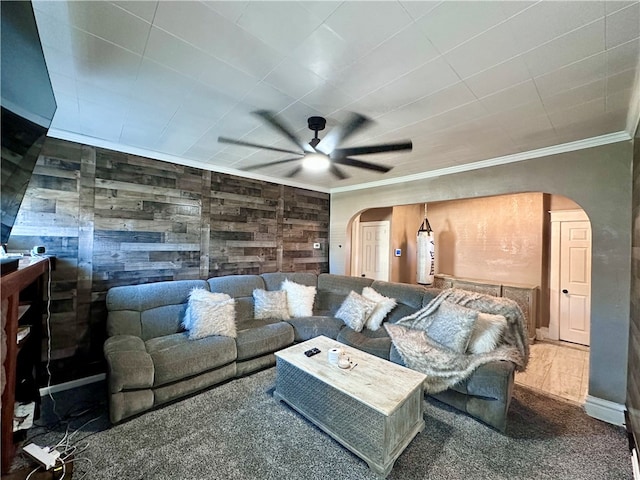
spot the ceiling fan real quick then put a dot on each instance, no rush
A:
(321, 154)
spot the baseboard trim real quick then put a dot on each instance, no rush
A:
(605, 410)
(61, 387)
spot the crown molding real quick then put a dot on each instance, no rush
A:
(517, 157)
(491, 162)
(143, 152)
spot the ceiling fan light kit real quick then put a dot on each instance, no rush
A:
(323, 154)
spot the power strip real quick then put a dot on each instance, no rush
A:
(41, 455)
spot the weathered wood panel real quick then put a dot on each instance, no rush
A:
(117, 219)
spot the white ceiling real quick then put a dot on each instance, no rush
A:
(467, 82)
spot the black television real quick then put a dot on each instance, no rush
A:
(28, 105)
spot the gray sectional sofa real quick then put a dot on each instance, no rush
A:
(151, 360)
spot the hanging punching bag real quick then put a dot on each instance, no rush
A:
(426, 254)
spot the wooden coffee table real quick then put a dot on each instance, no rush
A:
(375, 408)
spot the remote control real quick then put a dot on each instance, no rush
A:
(312, 352)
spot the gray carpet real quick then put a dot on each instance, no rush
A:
(238, 431)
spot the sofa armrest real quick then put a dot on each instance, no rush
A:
(129, 365)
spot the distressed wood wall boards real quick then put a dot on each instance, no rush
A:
(117, 219)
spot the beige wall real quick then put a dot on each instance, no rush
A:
(492, 238)
(598, 179)
(405, 222)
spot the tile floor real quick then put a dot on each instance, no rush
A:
(558, 368)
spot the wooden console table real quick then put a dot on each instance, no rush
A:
(28, 280)
(526, 296)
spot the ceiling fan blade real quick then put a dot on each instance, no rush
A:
(385, 147)
(339, 134)
(353, 162)
(337, 172)
(256, 145)
(271, 119)
(294, 172)
(270, 164)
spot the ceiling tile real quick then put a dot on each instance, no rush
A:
(145, 10)
(499, 77)
(207, 102)
(327, 98)
(513, 7)
(570, 48)
(613, 5)
(290, 76)
(579, 73)
(258, 18)
(440, 102)
(623, 25)
(111, 23)
(485, 51)
(321, 9)
(156, 81)
(214, 34)
(452, 23)
(523, 93)
(226, 78)
(621, 81)
(574, 96)
(548, 20)
(623, 57)
(618, 100)
(365, 32)
(579, 113)
(324, 52)
(401, 54)
(418, 9)
(174, 53)
(229, 10)
(423, 81)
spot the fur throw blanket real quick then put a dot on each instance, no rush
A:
(444, 364)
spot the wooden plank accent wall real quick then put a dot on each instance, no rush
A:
(117, 219)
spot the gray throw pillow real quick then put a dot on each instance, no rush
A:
(355, 310)
(452, 325)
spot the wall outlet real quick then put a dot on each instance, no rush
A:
(316, 246)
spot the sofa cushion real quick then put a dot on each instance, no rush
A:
(149, 310)
(175, 357)
(210, 313)
(130, 366)
(375, 342)
(268, 338)
(273, 281)
(342, 284)
(404, 293)
(306, 328)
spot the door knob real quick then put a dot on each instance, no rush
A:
(565, 291)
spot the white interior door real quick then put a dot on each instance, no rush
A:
(575, 281)
(374, 250)
(570, 277)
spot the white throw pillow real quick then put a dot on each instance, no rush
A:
(355, 310)
(270, 304)
(300, 298)
(210, 313)
(487, 333)
(383, 306)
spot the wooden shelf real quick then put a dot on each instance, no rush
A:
(28, 278)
